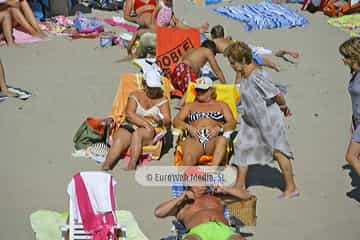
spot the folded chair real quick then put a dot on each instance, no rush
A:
(129, 83)
(92, 208)
(227, 93)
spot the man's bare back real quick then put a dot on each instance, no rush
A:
(196, 58)
(222, 44)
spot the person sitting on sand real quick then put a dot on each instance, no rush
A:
(147, 39)
(164, 16)
(350, 50)
(145, 110)
(262, 135)
(218, 36)
(201, 211)
(188, 69)
(23, 16)
(205, 120)
(6, 28)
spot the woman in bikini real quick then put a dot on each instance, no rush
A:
(144, 12)
(205, 120)
(145, 110)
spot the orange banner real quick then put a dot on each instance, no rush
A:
(171, 45)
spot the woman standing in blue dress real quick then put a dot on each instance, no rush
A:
(350, 50)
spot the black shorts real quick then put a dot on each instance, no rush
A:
(128, 126)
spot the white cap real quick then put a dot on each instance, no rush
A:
(203, 83)
(152, 78)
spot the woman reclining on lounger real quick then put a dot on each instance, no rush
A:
(205, 120)
(145, 110)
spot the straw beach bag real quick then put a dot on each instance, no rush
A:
(245, 210)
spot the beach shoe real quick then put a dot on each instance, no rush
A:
(98, 152)
(21, 93)
(290, 196)
(3, 97)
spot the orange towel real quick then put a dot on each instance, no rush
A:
(128, 83)
(171, 45)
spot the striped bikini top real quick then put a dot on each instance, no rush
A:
(217, 116)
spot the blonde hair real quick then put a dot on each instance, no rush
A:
(351, 49)
(239, 52)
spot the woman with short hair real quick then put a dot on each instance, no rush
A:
(262, 133)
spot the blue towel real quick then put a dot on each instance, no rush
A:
(264, 15)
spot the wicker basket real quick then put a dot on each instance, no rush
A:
(245, 210)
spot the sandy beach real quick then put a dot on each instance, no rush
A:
(73, 79)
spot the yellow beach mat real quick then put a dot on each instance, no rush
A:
(46, 224)
(349, 23)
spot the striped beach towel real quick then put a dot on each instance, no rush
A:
(264, 15)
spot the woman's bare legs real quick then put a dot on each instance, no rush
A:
(5, 20)
(141, 137)
(192, 151)
(3, 86)
(286, 169)
(240, 182)
(19, 18)
(122, 140)
(217, 149)
(203, 28)
(353, 156)
(29, 15)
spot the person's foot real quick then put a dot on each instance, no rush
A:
(242, 193)
(294, 54)
(13, 45)
(289, 193)
(40, 34)
(105, 168)
(282, 53)
(3, 97)
(10, 94)
(204, 28)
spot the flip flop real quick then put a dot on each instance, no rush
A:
(21, 93)
(3, 97)
(290, 196)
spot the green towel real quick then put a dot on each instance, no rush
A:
(349, 23)
(46, 224)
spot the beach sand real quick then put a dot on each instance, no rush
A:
(71, 80)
